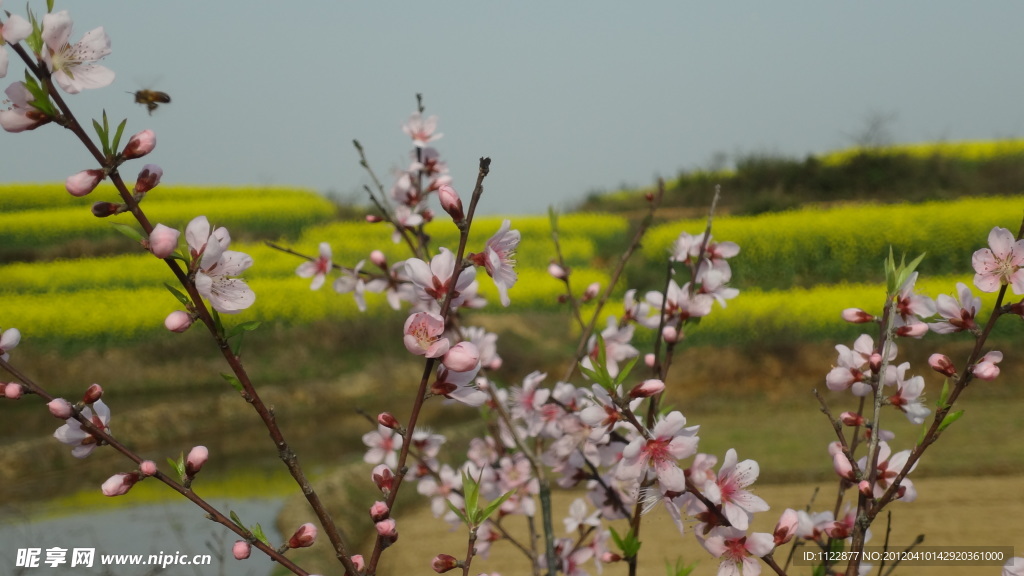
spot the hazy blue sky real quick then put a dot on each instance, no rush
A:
(566, 97)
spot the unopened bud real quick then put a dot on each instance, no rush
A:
(462, 357)
(841, 464)
(837, 530)
(178, 321)
(163, 241)
(196, 458)
(786, 527)
(92, 394)
(875, 361)
(13, 391)
(60, 408)
(864, 488)
(387, 530)
(912, 330)
(443, 563)
(592, 291)
(373, 218)
(649, 360)
(120, 484)
(557, 271)
(670, 334)
(379, 259)
(451, 203)
(104, 209)
(241, 550)
(609, 557)
(379, 511)
(647, 388)
(359, 562)
(942, 364)
(84, 182)
(427, 214)
(148, 178)
(148, 468)
(857, 316)
(851, 419)
(383, 478)
(304, 537)
(139, 145)
(386, 420)
(649, 196)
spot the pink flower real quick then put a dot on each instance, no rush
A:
(139, 145)
(84, 182)
(986, 368)
(317, 269)
(498, 259)
(352, 281)
(21, 115)
(424, 335)
(84, 442)
(304, 537)
(462, 357)
(163, 241)
(384, 445)
(432, 281)
(1001, 263)
(120, 484)
(9, 339)
(670, 442)
(218, 267)
(460, 386)
(617, 347)
(739, 552)
(15, 29)
(1014, 567)
(908, 396)
(729, 490)
(421, 130)
(441, 490)
(958, 312)
(72, 65)
(889, 466)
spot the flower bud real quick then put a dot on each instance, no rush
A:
(942, 364)
(163, 241)
(592, 291)
(139, 145)
(841, 464)
(462, 357)
(304, 537)
(148, 178)
(178, 321)
(241, 550)
(875, 361)
(358, 562)
(104, 209)
(148, 468)
(373, 218)
(647, 388)
(443, 563)
(609, 557)
(427, 214)
(383, 478)
(851, 419)
(557, 271)
(649, 360)
(670, 334)
(196, 458)
(451, 203)
(84, 182)
(119, 484)
(387, 530)
(837, 530)
(785, 529)
(379, 259)
(912, 330)
(379, 511)
(13, 391)
(93, 393)
(386, 420)
(60, 408)
(865, 488)
(857, 316)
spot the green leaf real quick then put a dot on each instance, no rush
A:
(680, 569)
(949, 419)
(624, 371)
(944, 395)
(179, 466)
(470, 493)
(494, 506)
(128, 231)
(459, 513)
(629, 545)
(233, 380)
(257, 531)
(178, 294)
(243, 327)
(116, 144)
(102, 134)
(235, 519)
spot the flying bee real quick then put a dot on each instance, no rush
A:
(151, 98)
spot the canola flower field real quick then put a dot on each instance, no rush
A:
(796, 270)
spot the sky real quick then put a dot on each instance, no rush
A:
(566, 98)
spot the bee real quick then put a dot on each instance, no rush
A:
(151, 98)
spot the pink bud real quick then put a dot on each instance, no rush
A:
(387, 530)
(875, 361)
(178, 321)
(837, 530)
(558, 272)
(443, 563)
(148, 178)
(139, 145)
(60, 408)
(84, 182)
(786, 527)
(163, 241)
(241, 550)
(120, 484)
(670, 334)
(373, 218)
(427, 214)
(649, 360)
(864, 487)
(386, 420)
(13, 391)
(379, 259)
(986, 368)
(592, 291)
(196, 458)
(912, 330)
(304, 537)
(841, 464)
(104, 209)
(148, 468)
(383, 478)
(451, 203)
(942, 364)
(857, 316)
(609, 557)
(834, 448)
(462, 357)
(379, 511)
(647, 388)
(93, 393)
(851, 419)
(359, 562)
